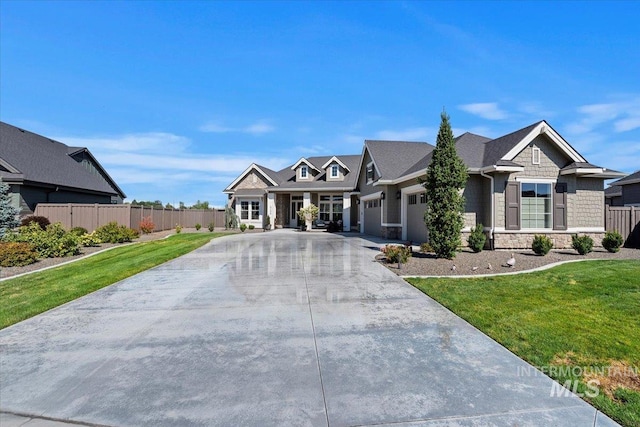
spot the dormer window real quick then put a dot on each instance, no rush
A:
(370, 172)
(335, 171)
(303, 172)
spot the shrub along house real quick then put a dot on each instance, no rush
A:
(528, 182)
(41, 170)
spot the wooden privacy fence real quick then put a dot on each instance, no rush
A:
(626, 221)
(92, 216)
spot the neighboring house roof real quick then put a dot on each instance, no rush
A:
(633, 178)
(613, 191)
(37, 159)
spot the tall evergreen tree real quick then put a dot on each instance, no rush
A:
(446, 176)
(8, 213)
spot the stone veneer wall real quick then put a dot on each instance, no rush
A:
(392, 232)
(524, 240)
(282, 210)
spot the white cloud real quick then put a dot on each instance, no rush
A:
(258, 128)
(622, 115)
(627, 124)
(164, 166)
(410, 134)
(486, 110)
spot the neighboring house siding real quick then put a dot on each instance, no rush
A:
(631, 194)
(30, 196)
(614, 201)
(252, 180)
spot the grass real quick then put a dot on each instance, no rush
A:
(26, 296)
(575, 315)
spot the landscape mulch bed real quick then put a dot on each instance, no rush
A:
(468, 263)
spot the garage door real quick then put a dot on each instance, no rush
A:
(416, 228)
(372, 217)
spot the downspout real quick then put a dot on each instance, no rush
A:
(491, 242)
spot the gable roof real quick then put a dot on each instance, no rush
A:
(305, 161)
(633, 178)
(613, 191)
(42, 160)
(336, 160)
(271, 176)
(350, 181)
(393, 157)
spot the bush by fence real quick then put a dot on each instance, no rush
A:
(626, 221)
(92, 216)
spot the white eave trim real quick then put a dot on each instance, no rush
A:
(336, 160)
(544, 128)
(306, 162)
(583, 171)
(496, 168)
(371, 196)
(243, 174)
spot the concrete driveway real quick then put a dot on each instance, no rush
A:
(278, 328)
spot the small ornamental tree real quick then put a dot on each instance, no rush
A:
(8, 213)
(446, 176)
(230, 218)
(309, 214)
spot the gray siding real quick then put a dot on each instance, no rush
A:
(474, 196)
(631, 194)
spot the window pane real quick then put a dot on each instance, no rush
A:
(325, 198)
(528, 190)
(543, 190)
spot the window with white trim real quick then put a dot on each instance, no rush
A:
(370, 172)
(303, 172)
(535, 156)
(255, 210)
(244, 210)
(335, 171)
(536, 205)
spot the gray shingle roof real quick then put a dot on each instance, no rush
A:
(394, 158)
(287, 176)
(613, 191)
(626, 180)
(497, 148)
(43, 160)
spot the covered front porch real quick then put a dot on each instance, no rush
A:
(336, 207)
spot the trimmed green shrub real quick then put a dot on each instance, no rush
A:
(396, 253)
(612, 241)
(78, 231)
(243, 227)
(541, 244)
(252, 227)
(477, 238)
(53, 242)
(426, 248)
(17, 254)
(40, 220)
(582, 244)
(115, 233)
(178, 229)
(212, 226)
(198, 227)
(90, 239)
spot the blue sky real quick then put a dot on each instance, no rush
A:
(176, 99)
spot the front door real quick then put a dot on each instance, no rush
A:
(295, 220)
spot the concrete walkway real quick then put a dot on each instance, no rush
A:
(278, 328)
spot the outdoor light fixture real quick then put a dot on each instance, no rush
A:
(382, 196)
(398, 194)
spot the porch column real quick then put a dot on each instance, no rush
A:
(271, 209)
(306, 201)
(346, 211)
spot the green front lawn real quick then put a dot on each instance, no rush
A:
(26, 296)
(580, 315)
